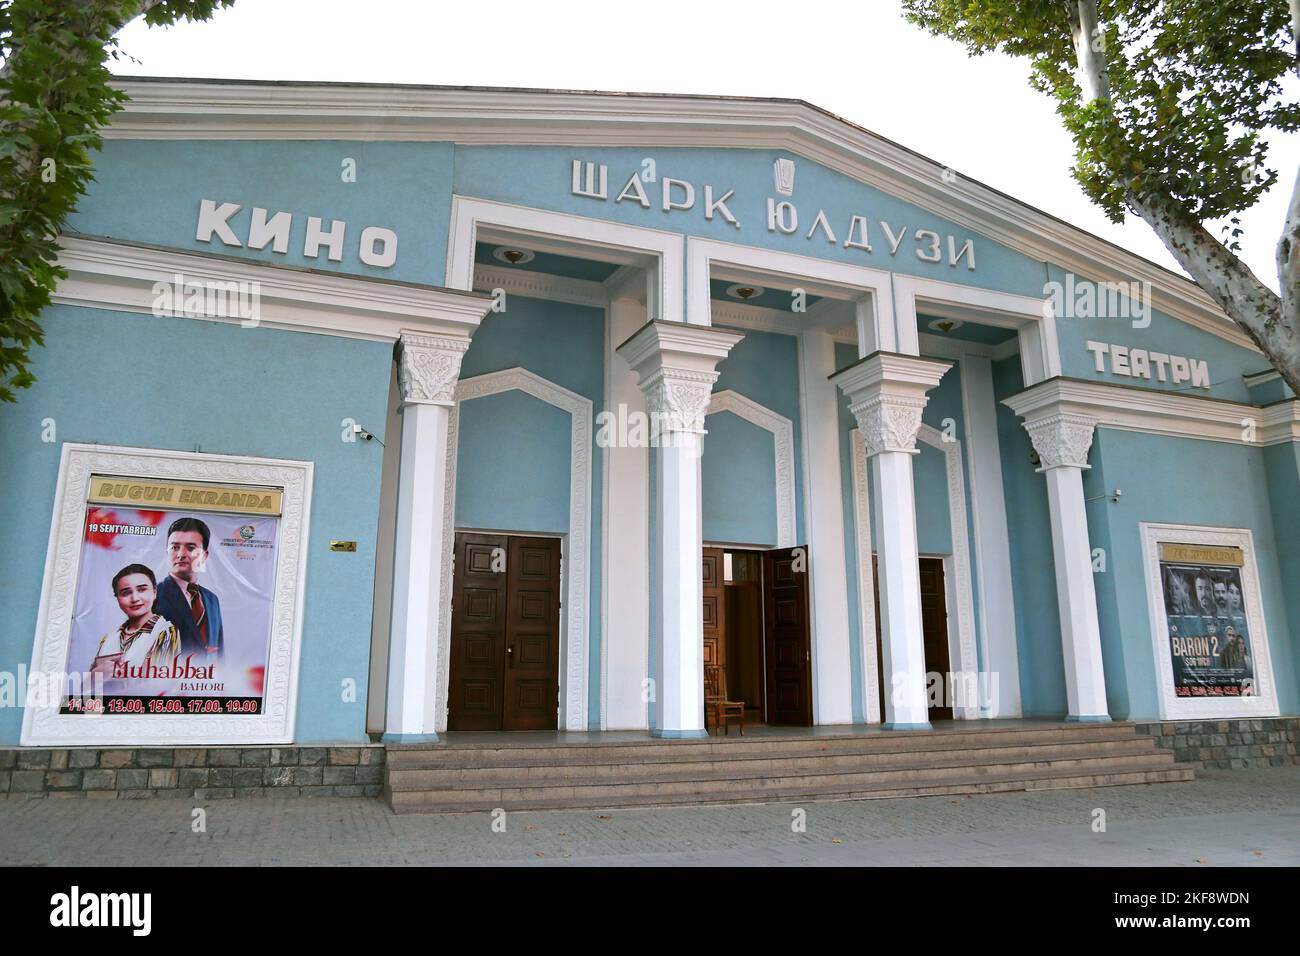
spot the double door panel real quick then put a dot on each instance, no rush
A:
(934, 632)
(505, 633)
(788, 636)
(714, 609)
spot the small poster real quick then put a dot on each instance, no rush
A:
(1209, 629)
(174, 598)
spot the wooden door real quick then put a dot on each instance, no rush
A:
(880, 651)
(714, 608)
(934, 632)
(789, 638)
(532, 666)
(504, 633)
(478, 633)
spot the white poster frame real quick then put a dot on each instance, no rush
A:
(1172, 707)
(44, 726)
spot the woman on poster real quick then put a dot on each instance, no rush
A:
(144, 638)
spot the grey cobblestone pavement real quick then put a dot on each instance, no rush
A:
(1242, 817)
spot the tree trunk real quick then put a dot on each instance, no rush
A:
(1089, 50)
(1256, 309)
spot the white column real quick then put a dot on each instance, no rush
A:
(428, 367)
(676, 368)
(887, 395)
(893, 508)
(679, 676)
(1062, 441)
(824, 510)
(626, 619)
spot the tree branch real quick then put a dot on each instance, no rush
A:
(54, 88)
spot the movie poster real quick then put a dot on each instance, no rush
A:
(173, 605)
(1209, 631)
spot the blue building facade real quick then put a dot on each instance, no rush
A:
(580, 403)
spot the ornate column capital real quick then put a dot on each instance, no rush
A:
(888, 422)
(886, 393)
(678, 399)
(1062, 440)
(676, 366)
(428, 367)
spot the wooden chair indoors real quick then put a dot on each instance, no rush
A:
(716, 702)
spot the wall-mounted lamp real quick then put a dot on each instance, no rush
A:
(1112, 495)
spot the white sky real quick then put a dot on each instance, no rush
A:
(978, 116)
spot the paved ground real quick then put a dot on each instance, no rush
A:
(1232, 818)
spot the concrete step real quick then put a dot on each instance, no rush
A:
(466, 755)
(721, 783)
(1171, 774)
(662, 767)
(418, 802)
(550, 772)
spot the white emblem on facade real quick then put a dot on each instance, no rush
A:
(783, 173)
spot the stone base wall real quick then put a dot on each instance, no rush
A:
(1230, 744)
(202, 773)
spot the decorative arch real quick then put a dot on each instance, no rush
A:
(782, 431)
(961, 626)
(575, 573)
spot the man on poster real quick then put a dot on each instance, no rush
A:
(1234, 656)
(1179, 600)
(1220, 597)
(193, 608)
(1205, 593)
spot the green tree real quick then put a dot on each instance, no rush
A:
(56, 94)
(1166, 101)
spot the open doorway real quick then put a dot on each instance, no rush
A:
(934, 636)
(756, 632)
